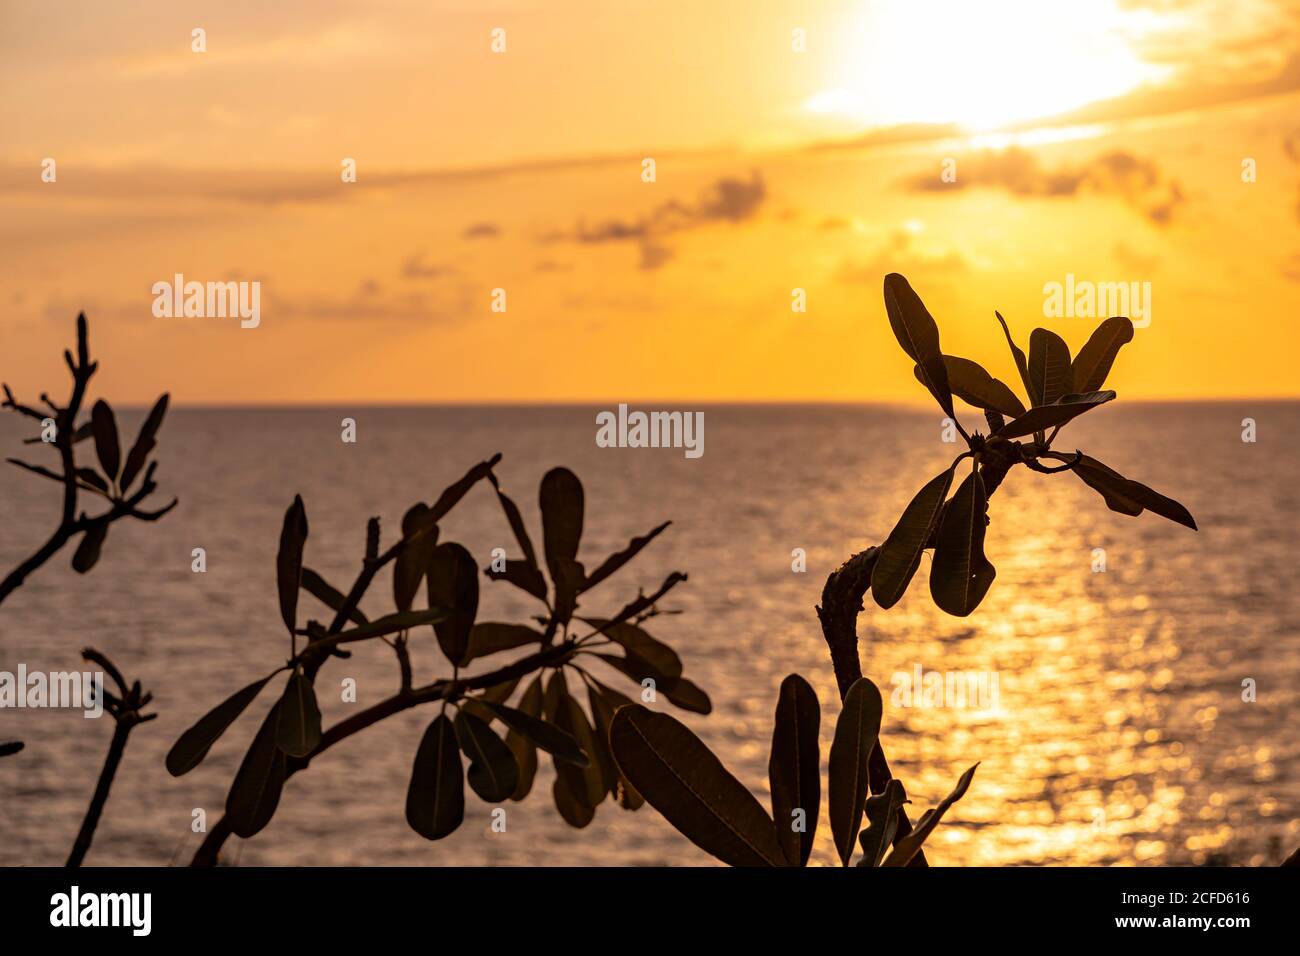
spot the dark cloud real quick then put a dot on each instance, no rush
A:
(1136, 181)
(417, 268)
(481, 230)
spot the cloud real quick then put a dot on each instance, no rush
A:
(481, 230)
(903, 252)
(416, 268)
(1138, 182)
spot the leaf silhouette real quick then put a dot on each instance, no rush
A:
(453, 584)
(680, 691)
(620, 558)
(493, 772)
(856, 732)
(524, 721)
(1049, 416)
(255, 792)
(900, 555)
(435, 798)
(288, 561)
(104, 427)
(90, 477)
(327, 594)
(604, 703)
(1127, 496)
(961, 575)
(973, 385)
(1049, 367)
(681, 778)
(87, 553)
(193, 745)
(522, 744)
(918, 334)
(299, 728)
(794, 767)
(1022, 365)
(907, 846)
(453, 493)
(490, 637)
(636, 641)
(562, 504)
(420, 533)
(1092, 364)
(522, 575)
(882, 823)
(144, 442)
(577, 790)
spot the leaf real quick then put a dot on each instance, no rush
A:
(578, 790)
(299, 730)
(36, 469)
(435, 798)
(900, 555)
(908, 846)
(522, 575)
(10, 747)
(193, 745)
(525, 722)
(961, 575)
(91, 477)
(882, 823)
(144, 442)
(490, 637)
(255, 792)
(453, 493)
(636, 641)
(420, 534)
(794, 767)
(1127, 496)
(288, 561)
(918, 334)
(453, 584)
(1022, 366)
(516, 522)
(681, 778)
(328, 595)
(605, 702)
(493, 772)
(620, 558)
(1093, 363)
(856, 732)
(521, 744)
(1049, 367)
(87, 552)
(973, 385)
(680, 691)
(104, 427)
(1068, 407)
(392, 623)
(561, 500)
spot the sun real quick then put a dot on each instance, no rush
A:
(984, 65)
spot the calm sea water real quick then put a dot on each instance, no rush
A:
(1120, 735)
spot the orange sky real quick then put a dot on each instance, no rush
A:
(1100, 139)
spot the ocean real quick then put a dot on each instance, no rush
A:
(1118, 735)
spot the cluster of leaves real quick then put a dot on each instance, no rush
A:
(546, 716)
(681, 778)
(1059, 389)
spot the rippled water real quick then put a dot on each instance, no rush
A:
(1120, 734)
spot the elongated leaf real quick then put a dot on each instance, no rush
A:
(562, 504)
(578, 790)
(453, 493)
(636, 641)
(193, 745)
(525, 722)
(620, 558)
(87, 553)
(679, 691)
(144, 442)
(521, 744)
(1049, 416)
(104, 427)
(1093, 363)
(882, 823)
(856, 732)
(255, 792)
(490, 637)
(918, 334)
(299, 729)
(288, 561)
(973, 385)
(453, 584)
(93, 478)
(516, 521)
(961, 575)
(328, 595)
(605, 702)
(908, 846)
(10, 747)
(420, 533)
(392, 623)
(900, 555)
(681, 778)
(522, 575)
(1049, 367)
(1127, 496)
(1022, 364)
(435, 798)
(493, 772)
(794, 768)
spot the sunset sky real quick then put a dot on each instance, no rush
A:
(1101, 139)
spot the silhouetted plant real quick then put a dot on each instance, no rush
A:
(112, 482)
(681, 778)
(546, 717)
